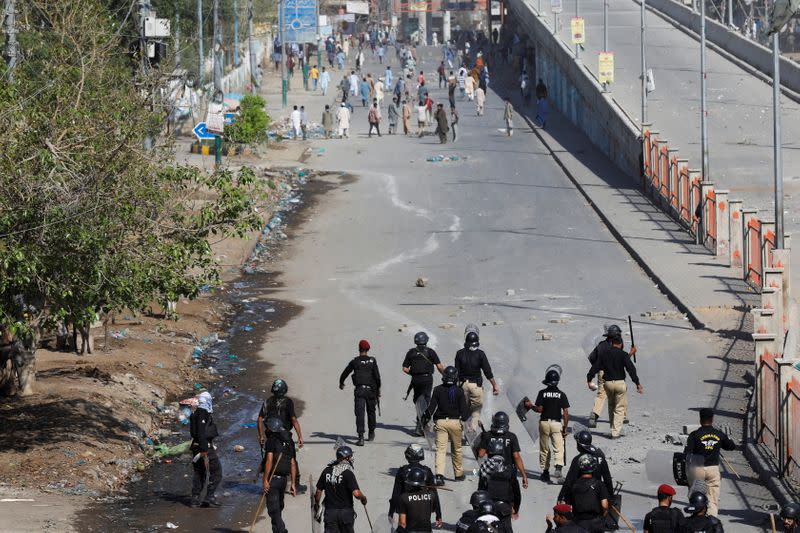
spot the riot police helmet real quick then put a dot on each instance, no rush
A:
(478, 497)
(697, 502)
(500, 422)
(279, 387)
(613, 331)
(450, 375)
(471, 340)
(415, 453)
(552, 378)
(587, 463)
(344, 452)
(791, 510)
(584, 440)
(416, 477)
(421, 338)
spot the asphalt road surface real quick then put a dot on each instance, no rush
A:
(504, 239)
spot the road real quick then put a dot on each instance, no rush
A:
(504, 239)
(739, 104)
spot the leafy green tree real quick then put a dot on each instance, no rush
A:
(251, 124)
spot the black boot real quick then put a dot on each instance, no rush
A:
(360, 441)
(371, 435)
(545, 476)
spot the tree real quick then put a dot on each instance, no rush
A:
(251, 124)
(90, 221)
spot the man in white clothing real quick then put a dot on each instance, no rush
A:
(296, 118)
(343, 119)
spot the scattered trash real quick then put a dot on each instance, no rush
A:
(447, 326)
(232, 357)
(250, 425)
(119, 335)
(159, 365)
(238, 448)
(544, 337)
(445, 158)
(510, 292)
(559, 321)
(162, 450)
(422, 282)
(170, 525)
(198, 386)
(247, 328)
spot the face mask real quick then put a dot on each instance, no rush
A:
(473, 348)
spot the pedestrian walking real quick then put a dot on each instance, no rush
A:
(469, 87)
(207, 470)
(603, 346)
(371, 87)
(441, 123)
(561, 520)
(343, 121)
(499, 434)
(542, 110)
(354, 83)
(703, 448)
(498, 477)
(418, 503)
(388, 78)
(454, 122)
(448, 409)
(393, 116)
(422, 112)
(406, 117)
(374, 118)
(279, 470)
(364, 90)
(338, 484)
(327, 122)
(428, 110)
(462, 79)
(414, 454)
(553, 405)
(344, 85)
(508, 116)
(440, 70)
(422, 90)
(451, 91)
(367, 383)
(588, 497)
(296, 117)
(541, 90)
(340, 57)
(379, 91)
(281, 407)
(470, 516)
(324, 80)
(699, 520)
(421, 76)
(664, 518)
(472, 365)
(314, 75)
(304, 122)
(615, 363)
(480, 100)
(584, 444)
(419, 363)
(525, 87)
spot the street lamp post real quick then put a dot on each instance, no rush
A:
(577, 46)
(284, 80)
(776, 143)
(703, 103)
(605, 25)
(644, 64)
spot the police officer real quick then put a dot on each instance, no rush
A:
(664, 518)
(487, 518)
(419, 364)
(588, 496)
(790, 516)
(205, 460)
(584, 443)
(702, 456)
(281, 407)
(470, 516)
(472, 365)
(699, 519)
(553, 405)
(604, 345)
(499, 478)
(448, 408)
(279, 469)
(498, 432)
(615, 362)
(415, 454)
(367, 383)
(562, 519)
(418, 503)
(338, 483)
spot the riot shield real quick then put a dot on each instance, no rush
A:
(472, 328)
(317, 512)
(658, 466)
(421, 406)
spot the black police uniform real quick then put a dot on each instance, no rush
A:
(338, 482)
(203, 431)
(601, 472)
(421, 362)
(702, 524)
(602, 346)
(585, 496)
(507, 438)
(553, 401)
(467, 519)
(280, 407)
(418, 506)
(503, 489)
(472, 365)
(400, 487)
(367, 382)
(663, 520)
(280, 445)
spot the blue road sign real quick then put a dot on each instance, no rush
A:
(202, 133)
(299, 21)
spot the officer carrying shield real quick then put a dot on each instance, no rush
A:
(417, 504)
(472, 364)
(584, 443)
(339, 485)
(419, 364)
(588, 496)
(553, 405)
(279, 469)
(448, 408)
(499, 478)
(367, 383)
(499, 432)
(281, 407)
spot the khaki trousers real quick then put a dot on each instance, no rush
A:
(550, 433)
(448, 430)
(474, 394)
(710, 475)
(600, 399)
(617, 392)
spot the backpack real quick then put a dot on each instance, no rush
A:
(372, 116)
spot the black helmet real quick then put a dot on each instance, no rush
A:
(486, 507)
(697, 501)
(274, 424)
(416, 477)
(481, 527)
(279, 387)
(587, 464)
(584, 440)
(421, 338)
(450, 375)
(791, 510)
(500, 422)
(478, 497)
(552, 378)
(495, 447)
(471, 340)
(344, 452)
(613, 331)
(415, 453)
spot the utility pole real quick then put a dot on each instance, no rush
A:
(142, 40)
(10, 29)
(255, 79)
(284, 81)
(605, 25)
(577, 46)
(730, 13)
(201, 69)
(217, 49)
(703, 103)
(235, 33)
(644, 64)
(177, 36)
(777, 168)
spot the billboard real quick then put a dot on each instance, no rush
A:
(299, 21)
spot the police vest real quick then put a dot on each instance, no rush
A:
(363, 373)
(585, 500)
(703, 524)
(421, 362)
(499, 485)
(505, 440)
(470, 365)
(663, 520)
(278, 407)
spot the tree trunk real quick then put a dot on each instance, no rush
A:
(24, 353)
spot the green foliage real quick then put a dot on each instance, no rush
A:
(251, 125)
